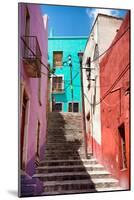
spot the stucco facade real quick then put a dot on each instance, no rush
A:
(115, 102)
(104, 30)
(33, 90)
(107, 96)
(69, 46)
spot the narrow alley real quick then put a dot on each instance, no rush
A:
(74, 128)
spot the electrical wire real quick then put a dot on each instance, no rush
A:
(115, 83)
(111, 88)
(34, 54)
(33, 67)
(72, 79)
(112, 45)
(75, 61)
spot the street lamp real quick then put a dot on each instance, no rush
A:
(71, 81)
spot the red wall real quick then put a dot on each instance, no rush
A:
(114, 74)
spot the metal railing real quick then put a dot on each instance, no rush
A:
(30, 47)
(31, 54)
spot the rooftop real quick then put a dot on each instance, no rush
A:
(68, 37)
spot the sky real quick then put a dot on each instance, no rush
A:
(74, 21)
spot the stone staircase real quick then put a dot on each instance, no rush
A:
(65, 169)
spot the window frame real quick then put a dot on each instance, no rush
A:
(58, 91)
(62, 104)
(73, 103)
(57, 66)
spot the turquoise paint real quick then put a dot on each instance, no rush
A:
(69, 45)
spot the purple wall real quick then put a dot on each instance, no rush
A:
(37, 112)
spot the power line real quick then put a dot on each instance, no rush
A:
(73, 79)
(44, 65)
(34, 67)
(114, 84)
(34, 54)
(111, 45)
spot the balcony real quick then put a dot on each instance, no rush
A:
(58, 85)
(31, 56)
(58, 91)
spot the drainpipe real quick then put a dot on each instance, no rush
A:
(80, 55)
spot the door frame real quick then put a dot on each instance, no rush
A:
(26, 126)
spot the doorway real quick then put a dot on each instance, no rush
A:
(122, 147)
(24, 120)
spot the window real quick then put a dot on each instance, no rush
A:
(27, 32)
(27, 25)
(75, 107)
(57, 107)
(57, 84)
(123, 163)
(57, 58)
(96, 52)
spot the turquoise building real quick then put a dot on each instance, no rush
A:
(65, 84)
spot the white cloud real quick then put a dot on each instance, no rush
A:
(93, 12)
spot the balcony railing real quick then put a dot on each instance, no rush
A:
(31, 56)
(58, 91)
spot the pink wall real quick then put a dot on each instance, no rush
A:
(37, 112)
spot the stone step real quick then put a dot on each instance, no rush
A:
(65, 120)
(79, 184)
(68, 162)
(67, 145)
(69, 168)
(60, 176)
(68, 136)
(57, 157)
(63, 155)
(63, 149)
(65, 130)
(66, 133)
(65, 152)
(65, 138)
(61, 140)
(59, 146)
(64, 114)
(79, 191)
